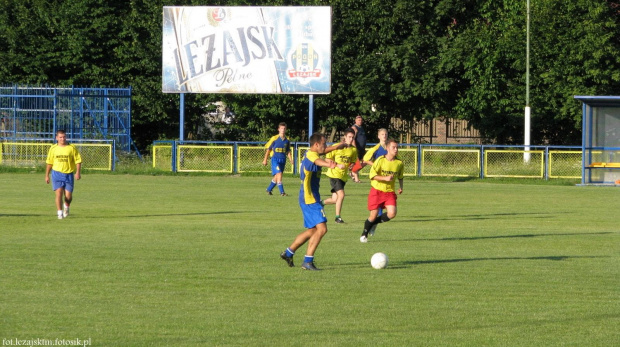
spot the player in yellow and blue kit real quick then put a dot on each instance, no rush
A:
(383, 175)
(279, 147)
(310, 201)
(338, 177)
(65, 163)
(379, 149)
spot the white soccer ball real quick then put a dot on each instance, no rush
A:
(379, 260)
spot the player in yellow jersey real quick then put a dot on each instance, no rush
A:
(338, 177)
(65, 163)
(373, 154)
(383, 174)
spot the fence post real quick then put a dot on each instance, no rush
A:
(234, 158)
(113, 155)
(482, 161)
(174, 156)
(546, 163)
(419, 163)
(295, 154)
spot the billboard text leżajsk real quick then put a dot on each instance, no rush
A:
(254, 50)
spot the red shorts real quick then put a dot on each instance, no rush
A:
(378, 199)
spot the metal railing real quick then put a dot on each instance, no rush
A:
(96, 154)
(481, 161)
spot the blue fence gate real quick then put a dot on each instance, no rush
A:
(84, 113)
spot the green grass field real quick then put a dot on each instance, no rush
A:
(194, 261)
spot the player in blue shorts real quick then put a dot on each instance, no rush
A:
(65, 163)
(279, 147)
(310, 201)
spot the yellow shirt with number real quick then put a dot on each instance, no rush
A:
(63, 158)
(345, 156)
(384, 167)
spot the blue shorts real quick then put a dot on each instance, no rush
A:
(313, 214)
(62, 180)
(277, 166)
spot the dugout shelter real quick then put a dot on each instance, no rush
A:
(600, 140)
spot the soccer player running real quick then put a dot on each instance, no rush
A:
(369, 159)
(65, 164)
(383, 174)
(279, 147)
(338, 177)
(310, 201)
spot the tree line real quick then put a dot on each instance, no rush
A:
(390, 58)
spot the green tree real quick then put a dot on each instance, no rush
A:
(574, 51)
(392, 58)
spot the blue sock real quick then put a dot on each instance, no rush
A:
(289, 253)
(281, 187)
(270, 188)
(308, 259)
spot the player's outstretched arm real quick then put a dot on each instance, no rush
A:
(334, 147)
(328, 163)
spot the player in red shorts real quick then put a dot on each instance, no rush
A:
(383, 174)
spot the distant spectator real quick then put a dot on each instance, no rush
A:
(360, 145)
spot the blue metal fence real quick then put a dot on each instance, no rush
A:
(84, 113)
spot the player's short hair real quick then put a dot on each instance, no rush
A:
(358, 116)
(61, 131)
(282, 124)
(349, 131)
(316, 137)
(387, 143)
(382, 130)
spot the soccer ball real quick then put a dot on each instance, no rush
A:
(379, 261)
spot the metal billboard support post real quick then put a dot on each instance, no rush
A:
(181, 116)
(310, 115)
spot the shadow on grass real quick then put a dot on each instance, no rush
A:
(479, 217)
(21, 215)
(184, 214)
(473, 238)
(169, 214)
(407, 264)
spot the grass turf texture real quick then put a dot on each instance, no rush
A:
(193, 261)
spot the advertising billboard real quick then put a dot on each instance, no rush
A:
(246, 49)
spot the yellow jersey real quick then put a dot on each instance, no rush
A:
(63, 158)
(345, 156)
(384, 167)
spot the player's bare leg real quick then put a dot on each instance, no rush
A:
(67, 204)
(319, 231)
(368, 225)
(391, 211)
(277, 177)
(60, 192)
